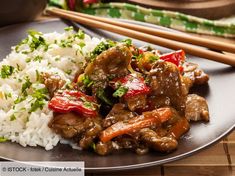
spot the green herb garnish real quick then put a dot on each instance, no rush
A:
(40, 95)
(87, 81)
(102, 96)
(3, 139)
(33, 32)
(82, 44)
(68, 71)
(26, 85)
(6, 71)
(128, 42)
(12, 117)
(19, 99)
(37, 104)
(70, 28)
(38, 58)
(8, 95)
(27, 60)
(80, 34)
(120, 91)
(153, 58)
(102, 46)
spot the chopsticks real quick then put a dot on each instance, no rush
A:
(151, 35)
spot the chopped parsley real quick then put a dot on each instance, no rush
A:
(139, 57)
(153, 58)
(26, 85)
(87, 81)
(80, 34)
(38, 76)
(38, 58)
(19, 99)
(8, 95)
(3, 139)
(102, 96)
(93, 146)
(24, 41)
(37, 104)
(120, 91)
(40, 95)
(87, 104)
(57, 59)
(18, 67)
(68, 71)
(128, 42)
(66, 43)
(6, 71)
(82, 44)
(102, 46)
(70, 28)
(36, 42)
(12, 117)
(27, 60)
(33, 32)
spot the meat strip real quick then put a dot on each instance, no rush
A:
(165, 81)
(118, 113)
(113, 62)
(52, 82)
(196, 108)
(162, 144)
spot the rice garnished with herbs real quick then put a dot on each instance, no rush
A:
(24, 113)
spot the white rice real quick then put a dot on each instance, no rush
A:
(17, 123)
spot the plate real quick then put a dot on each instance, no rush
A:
(219, 94)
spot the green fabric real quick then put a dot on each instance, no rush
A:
(174, 20)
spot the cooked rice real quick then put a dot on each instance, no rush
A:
(61, 54)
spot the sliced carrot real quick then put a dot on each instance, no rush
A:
(147, 119)
(179, 128)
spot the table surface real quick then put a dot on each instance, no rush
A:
(217, 160)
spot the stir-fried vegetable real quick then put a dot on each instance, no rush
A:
(179, 128)
(141, 95)
(174, 57)
(147, 119)
(67, 101)
(130, 86)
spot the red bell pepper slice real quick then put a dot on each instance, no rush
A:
(67, 101)
(135, 85)
(174, 57)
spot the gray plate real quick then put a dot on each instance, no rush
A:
(219, 94)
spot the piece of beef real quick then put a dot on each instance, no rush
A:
(118, 113)
(73, 126)
(193, 75)
(136, 102)
(162, 144)
(52, 82)
(113, 62)
(106, 148)
(165, 81)
(196, 108)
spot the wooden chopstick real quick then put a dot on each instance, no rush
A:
(194, 50)
(212, 44)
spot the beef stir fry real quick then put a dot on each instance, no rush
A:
(128, 98)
